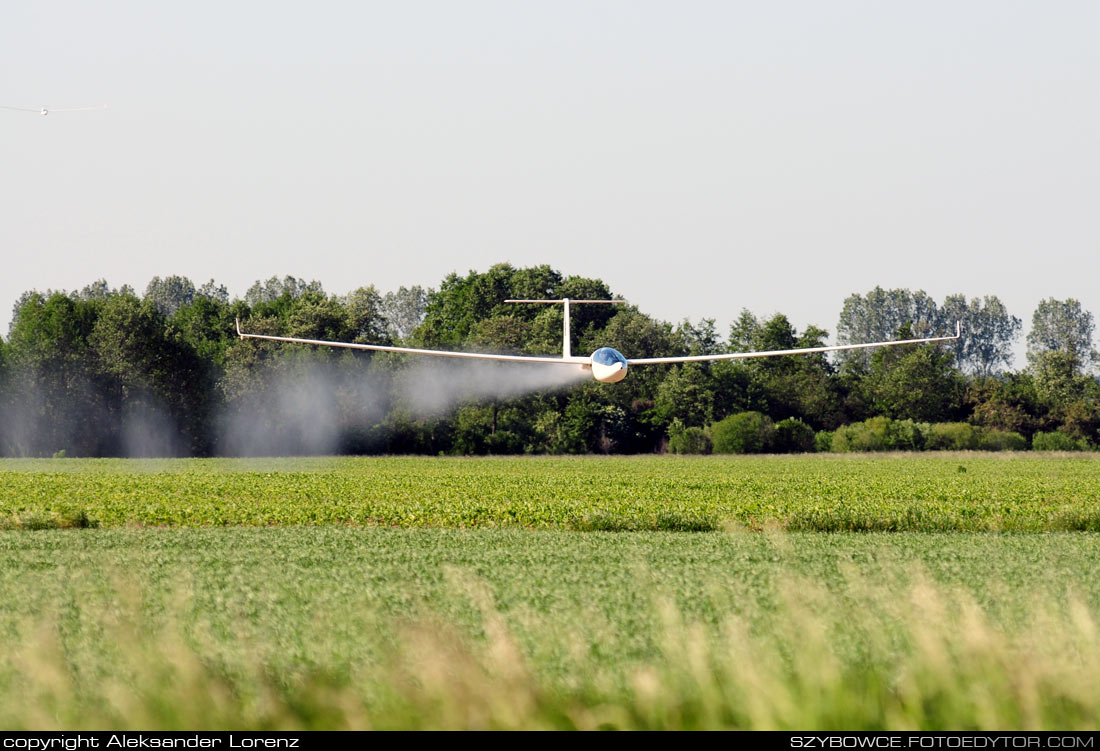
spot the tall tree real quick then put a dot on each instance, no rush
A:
(403, 310)
(988, 331)
(703, 339)
(686, 394)
(100, 290)
(462, 302)
(274, 288)
(170, 294)
(1062, 326)
(366, 316)
(55, 398)
(914, 381)
(803, 386)
(155, 383)
(744, 332)
(879, 315)
(211, 290)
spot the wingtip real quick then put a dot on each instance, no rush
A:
(239, 332)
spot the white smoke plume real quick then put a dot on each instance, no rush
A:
(38, 421)
(433, 387)
(326, 408)
(314, 408)
(149, 431)
(306, 411)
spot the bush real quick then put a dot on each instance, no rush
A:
(878, 434)
(743, 433)
(684, 440)
(792, 436)
(952, 436)
(1001, 440)
(504, 442)
(883, 434)
(1056, 441)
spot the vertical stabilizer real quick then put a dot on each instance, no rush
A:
(566, 335)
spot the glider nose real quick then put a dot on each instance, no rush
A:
(609, 373)
(608, 365)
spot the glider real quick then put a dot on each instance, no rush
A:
(45, 111)
(606, 364)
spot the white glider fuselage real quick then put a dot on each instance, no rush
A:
(608, 365)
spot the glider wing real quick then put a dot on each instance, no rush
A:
(412, 350)
(801, 351)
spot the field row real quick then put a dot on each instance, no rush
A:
(360, 628)
(943, 492)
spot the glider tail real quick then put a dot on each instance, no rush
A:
(566, 335)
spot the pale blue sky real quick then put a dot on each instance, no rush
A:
(700, 157)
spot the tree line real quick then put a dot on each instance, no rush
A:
(108, 372)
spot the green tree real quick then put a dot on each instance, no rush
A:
(462, 302)
(207, 326)
(403, 310)
(170, 294)
(366, 317)
(1008, 403)
(211, 290)
(687, 394)
(745, 332)
(1061, 326)
(155, 382)
(274, 288)
(702, 339)
(803, 386)
(503, 334)
(100, 290)
(878, 315)
(55, 399)
(917, 382)
(636, 335)
(988, 332)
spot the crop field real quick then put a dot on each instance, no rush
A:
(927, 493)
(636, 592)
(337, 627)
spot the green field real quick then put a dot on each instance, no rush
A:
(926, 493)
(444, 593)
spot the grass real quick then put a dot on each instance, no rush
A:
(413, 593)
(391, 628)
(921, 493)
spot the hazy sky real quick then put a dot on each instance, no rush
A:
(700, 157)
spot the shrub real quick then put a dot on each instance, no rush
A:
(1001, 440)
(907, 436)
(504, 442)
(952, 436)
(792, 436)
(823, 441)
(685, 440)
(1056, 441)
(743, 433)
(878, 434)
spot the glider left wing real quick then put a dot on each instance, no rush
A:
(412, 350)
